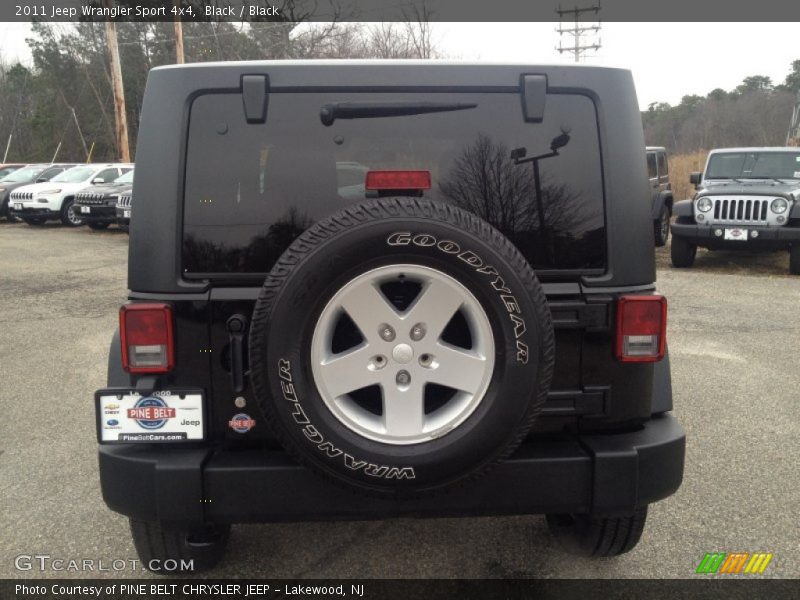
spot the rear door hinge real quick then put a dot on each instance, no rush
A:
(591, 315)
(255, 97)
(534, 93)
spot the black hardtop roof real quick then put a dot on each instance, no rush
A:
(392, 73)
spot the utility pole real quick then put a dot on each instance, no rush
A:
(793, 137)
(578, 30)
(179, 57)
(119, 92)
(8, 145)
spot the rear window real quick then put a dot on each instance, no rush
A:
(250, 189)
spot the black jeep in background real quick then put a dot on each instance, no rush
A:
(97, 204)
(660, 192)
(364, 290)
(124, 209)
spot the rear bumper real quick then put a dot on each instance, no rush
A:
(768, 237)
(603, 474)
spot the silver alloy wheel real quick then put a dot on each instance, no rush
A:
(73, 216)
(664, 225)
(401, 353)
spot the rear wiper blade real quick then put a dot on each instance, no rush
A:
(369, 110)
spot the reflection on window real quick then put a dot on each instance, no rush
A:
(251, 190)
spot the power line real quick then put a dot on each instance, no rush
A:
(578, 31)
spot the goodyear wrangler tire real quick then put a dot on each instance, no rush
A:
(400, 347)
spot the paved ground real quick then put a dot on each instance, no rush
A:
(733, 339)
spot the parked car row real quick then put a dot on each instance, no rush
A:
(75, 194)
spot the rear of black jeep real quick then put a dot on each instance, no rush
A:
(365, 290)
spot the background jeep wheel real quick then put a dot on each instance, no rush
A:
(593, 536)
(155, 545)
(98, 226)
(794, 259)
(69, 216)
(682, 253)
(35, 221)
(662, 227)
(401, 346)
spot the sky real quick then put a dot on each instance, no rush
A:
(668, 60)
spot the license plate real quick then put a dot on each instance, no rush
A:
(126, 214)
(86, 210)
(736, 234)
(17, 206)
(125, 416)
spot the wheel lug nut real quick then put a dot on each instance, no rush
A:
(425, 360)
(403, 378)
(417, 332)
(386, 333)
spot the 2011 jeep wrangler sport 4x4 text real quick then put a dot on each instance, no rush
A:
(371, 289)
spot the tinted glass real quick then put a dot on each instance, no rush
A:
(754, 165)
(127, 177)
(251, 189)
(662, 165)
(23, 174)
(50, 173)
(107, 175)
(651, 165)
(7, 171)
(74, 175)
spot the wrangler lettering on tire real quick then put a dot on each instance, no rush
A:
(400, 347)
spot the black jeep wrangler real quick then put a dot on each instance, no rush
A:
(97, 204)
(746, 199)
(372, 289)
(661, 197)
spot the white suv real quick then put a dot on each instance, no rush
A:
(54, 199)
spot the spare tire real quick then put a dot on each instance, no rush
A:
(400, 347)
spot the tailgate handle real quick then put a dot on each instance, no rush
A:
(534, 93)
(255, 97)
(237, 328)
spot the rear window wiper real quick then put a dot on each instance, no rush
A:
(370, 110)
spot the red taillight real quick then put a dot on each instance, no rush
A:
(641, 328)
(398, 180)
(146, 336)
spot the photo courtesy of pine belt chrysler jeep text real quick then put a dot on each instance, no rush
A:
(362, 290)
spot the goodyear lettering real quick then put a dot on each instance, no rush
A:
(424, 240)
(448, 247)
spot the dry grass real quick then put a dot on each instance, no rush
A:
(680, 167)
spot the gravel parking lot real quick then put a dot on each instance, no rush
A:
(733, 337)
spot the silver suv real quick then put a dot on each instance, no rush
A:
(745, 198)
